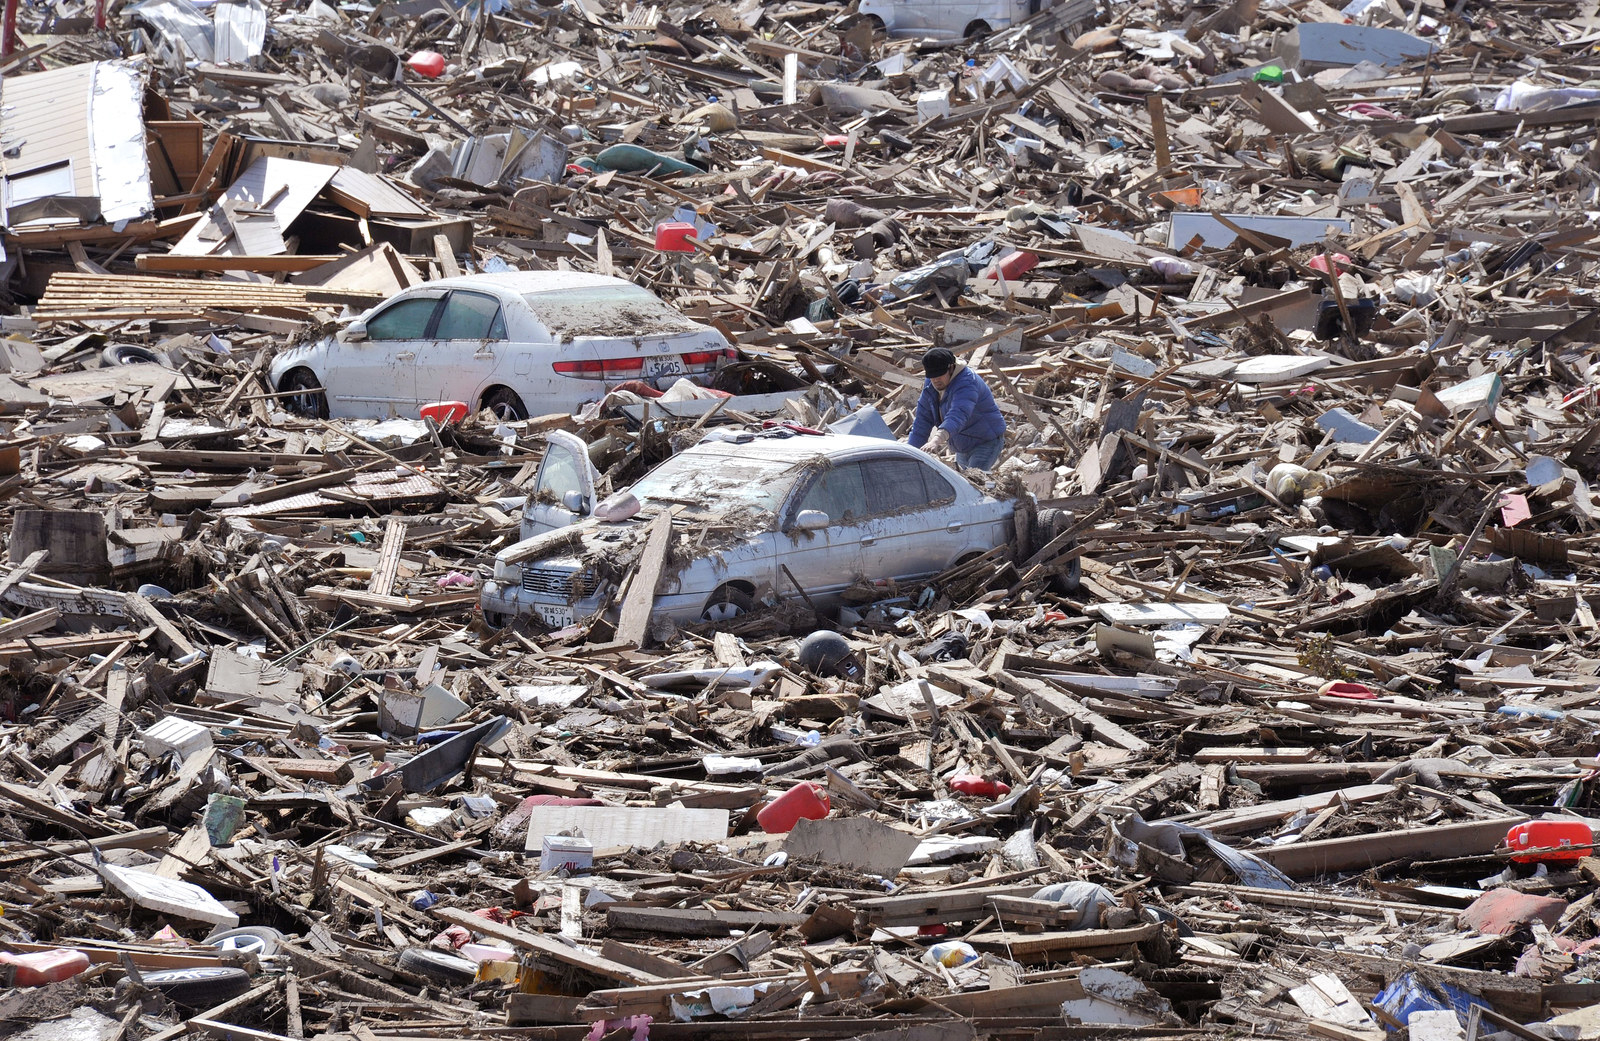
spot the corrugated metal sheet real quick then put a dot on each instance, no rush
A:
(44, 119)
(376, 194)
(284, 186)
(375, 488)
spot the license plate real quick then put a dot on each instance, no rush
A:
(553, 616)
(664, 365)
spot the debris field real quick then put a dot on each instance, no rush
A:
(1269, 708)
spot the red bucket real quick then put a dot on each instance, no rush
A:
(445, 413)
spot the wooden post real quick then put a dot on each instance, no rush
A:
(8, 30)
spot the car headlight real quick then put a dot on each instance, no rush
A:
(504, 572)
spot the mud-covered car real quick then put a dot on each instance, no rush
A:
(830, 509)
(519, 343)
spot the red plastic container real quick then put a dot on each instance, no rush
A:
(427, 63)
(972, 784)
(1015, 265)
(41, 967)
(445, 413)
(803, 800)
(675, 236)
(1536, 841)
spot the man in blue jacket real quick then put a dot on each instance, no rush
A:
(957, 408)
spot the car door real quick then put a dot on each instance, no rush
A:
(909, 531)
(566, 479)
(460, 360)
(376, 375)
(827, 560)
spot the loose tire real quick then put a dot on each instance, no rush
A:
(437, 966)
(200, 987)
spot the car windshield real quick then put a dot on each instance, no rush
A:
(707, 483)
(606, 311)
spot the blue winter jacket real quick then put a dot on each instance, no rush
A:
(966, 410)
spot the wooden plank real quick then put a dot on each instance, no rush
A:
(20, 573)
(697, 921)
(635, 615)
(1090, 721)
(1360, 852)
(383, 576)
(579, 957)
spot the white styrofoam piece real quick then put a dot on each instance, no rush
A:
(1163, 614)
(175, 734)
(643, 826)
(171, 896)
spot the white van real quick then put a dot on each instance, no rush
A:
(948, 19)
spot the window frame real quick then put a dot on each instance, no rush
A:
(498, 321)
(428, 328)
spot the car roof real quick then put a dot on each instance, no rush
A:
(801, 447)
(523, 282)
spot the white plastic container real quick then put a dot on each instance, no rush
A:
(931, 104)
(175, 735)
(566, 852)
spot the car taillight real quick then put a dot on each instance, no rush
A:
(707, 359)
(598, 369)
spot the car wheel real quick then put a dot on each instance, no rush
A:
(130, 354)
(307, 398)
(199, 988)
(975, 30)
(505, 404)
(260, 940)
(726, 604)
(1053, 523)
(437, 966)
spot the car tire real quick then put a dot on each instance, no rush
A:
(130, 354)
(261, 940)
(727, 604)
(976, 30)
(437, 966)
(200, 987)
(505, 404)
(1068, 582)
(310, 400)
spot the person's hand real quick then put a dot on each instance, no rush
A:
(937, 443)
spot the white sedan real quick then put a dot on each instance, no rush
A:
(519, 343)
(763, 515)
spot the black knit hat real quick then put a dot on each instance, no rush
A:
(938, 361)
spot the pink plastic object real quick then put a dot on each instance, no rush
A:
(803, 800)
(1320, 262)
(445, 413)
(675, 236)
(1550, 841)
(972, 784)
(1353, 691)
(427, 63)
(41, 967)
(1017, 264)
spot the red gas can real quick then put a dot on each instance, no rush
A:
(1015, 265)
(41, 967)
(675, 236)
(972, 784)
(1557, 840)
(427, 63)
(803, 800)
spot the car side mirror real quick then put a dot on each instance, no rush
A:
(811, 520)
(355, 332)
(573, 501)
